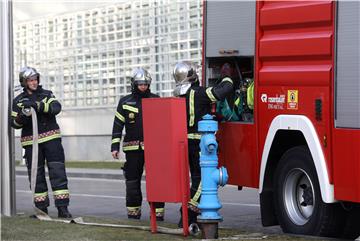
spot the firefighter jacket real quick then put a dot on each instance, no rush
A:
(48, 108)
(129, 115)
(199, 100)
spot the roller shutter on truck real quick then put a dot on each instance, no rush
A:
(347, 80)
(230, 27)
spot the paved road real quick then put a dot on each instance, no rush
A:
(106, 198)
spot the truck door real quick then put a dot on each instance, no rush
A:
(229, 36)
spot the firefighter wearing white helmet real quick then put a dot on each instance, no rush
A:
(198, 103)
(129, 116)
(185, 74)
(50, 147)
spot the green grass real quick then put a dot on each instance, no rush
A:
(25, 228)
(21, 227)
(95, 164)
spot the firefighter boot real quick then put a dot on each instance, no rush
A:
(159, 216)
(63, 212)
(192, 218)
(134, 214)
(43, 209)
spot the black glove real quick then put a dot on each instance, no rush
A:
(30, 103)
(22, 118)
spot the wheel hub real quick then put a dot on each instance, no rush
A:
(307, 195)
(298, 196)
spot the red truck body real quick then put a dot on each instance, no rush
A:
(301, 77)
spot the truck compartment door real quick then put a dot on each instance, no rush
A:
(347, 112)
(230, 27)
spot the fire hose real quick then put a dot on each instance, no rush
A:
(193, 228)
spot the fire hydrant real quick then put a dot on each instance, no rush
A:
(211, 178)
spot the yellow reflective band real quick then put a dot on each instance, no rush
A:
(46, 107)
(131, 148)
(50, 100)
(192, 202)
(120, 117)
(194, 136)
(41, 140)
(17, 124)
(237, 101)
(115, 140)
(133, 208)
(192, 108)
(130, 108)
(197, 194)
(44, 100)
(61, 192)
(47, 104)
(227, 79)
(210, 94)
(14, 114)
(159, 210)
(41, 194)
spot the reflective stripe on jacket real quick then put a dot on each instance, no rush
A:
(128, 115)
(48, 129)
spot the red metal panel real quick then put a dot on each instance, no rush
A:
(308, 75)
(237, 153)
(298, 44)
(295, 12)
(346, 145)
(295, 52)
(166, 165)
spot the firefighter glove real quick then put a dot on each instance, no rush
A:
(30, 103)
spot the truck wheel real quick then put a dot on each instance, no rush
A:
(298, 203)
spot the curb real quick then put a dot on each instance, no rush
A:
(85, 175)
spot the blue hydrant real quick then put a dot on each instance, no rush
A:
(211, 178)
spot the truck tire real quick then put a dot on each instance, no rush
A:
(352, 224)
(297, 198)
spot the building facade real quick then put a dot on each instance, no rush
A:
(87, 57)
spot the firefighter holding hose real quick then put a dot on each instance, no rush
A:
(49, 139)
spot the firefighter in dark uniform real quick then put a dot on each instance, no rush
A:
(49, 139)
(198, 103)
(129, 115)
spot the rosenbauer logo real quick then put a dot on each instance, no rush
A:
(273, 102)
(264, 98)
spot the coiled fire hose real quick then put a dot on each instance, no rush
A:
(193, 228)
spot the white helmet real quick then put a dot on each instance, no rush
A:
(184, 74)
(140, 76)
(28, 72)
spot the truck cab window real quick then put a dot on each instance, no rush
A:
(239, 106)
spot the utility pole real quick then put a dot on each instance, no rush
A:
(7, 171)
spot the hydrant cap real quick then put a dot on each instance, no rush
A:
(207, 124)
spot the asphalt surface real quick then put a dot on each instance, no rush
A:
(101, 193)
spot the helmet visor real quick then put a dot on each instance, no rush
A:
(142, 82)
(33, 77)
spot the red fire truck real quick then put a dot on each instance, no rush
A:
(300, 144)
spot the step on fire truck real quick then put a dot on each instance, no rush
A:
(300, 144)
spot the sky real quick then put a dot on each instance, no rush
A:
(24, 10)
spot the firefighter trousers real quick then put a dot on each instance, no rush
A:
(195, 189)
(52, 151)
(133, 170)
(195, 171)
